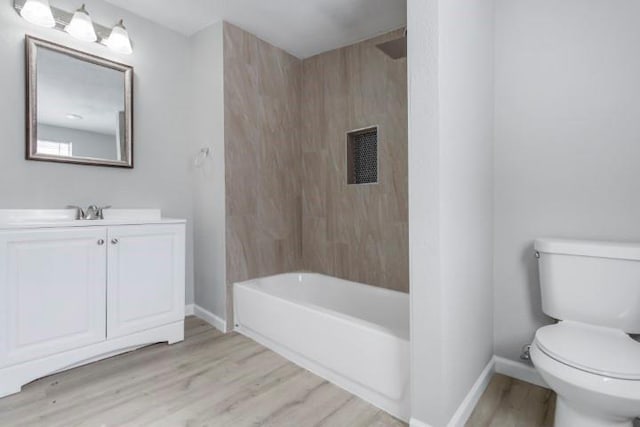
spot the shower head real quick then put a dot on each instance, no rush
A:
(396, 48)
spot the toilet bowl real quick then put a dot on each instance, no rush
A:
(594, 371)
(589, 358)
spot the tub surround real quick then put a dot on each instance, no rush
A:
(261, 121)
(288, 205)
(356, 232)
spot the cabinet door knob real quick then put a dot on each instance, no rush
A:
(115, 241)
(100, 242)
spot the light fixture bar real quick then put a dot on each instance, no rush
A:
(63, 18)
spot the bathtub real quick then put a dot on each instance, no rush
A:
(353, 335)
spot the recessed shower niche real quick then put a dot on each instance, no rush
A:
(362, 156)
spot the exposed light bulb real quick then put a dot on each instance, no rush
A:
(38, 12)
(81, 26)
(119, 40)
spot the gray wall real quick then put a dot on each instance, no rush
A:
(163, 148)
(450, 201)
(209, 180)
(567, 142)
(85, 143)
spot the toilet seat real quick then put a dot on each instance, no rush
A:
(594, 395)
(593, 349)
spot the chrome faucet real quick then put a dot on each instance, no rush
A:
(92, 213)
(79, 211)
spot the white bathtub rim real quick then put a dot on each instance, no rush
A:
(376, 289)
(363, 392)
(342, 318)
(333, 313)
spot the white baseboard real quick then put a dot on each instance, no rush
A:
(500, 365)
(215, 321)
(189, 309)
(464, 411)
(469, 403)
(519, 371)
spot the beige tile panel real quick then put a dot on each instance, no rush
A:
(263, 87)
(366, 236)
(288, 204)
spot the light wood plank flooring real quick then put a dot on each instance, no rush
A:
(218, 380)
(210, 379)
(511, 403)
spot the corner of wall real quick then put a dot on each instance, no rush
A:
(209, 200)
(424, 237)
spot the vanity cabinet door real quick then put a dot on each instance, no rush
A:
(146, 275)
(52, 291)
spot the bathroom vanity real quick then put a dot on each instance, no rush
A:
(73, 292)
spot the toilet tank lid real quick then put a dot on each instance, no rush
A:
(591, 248)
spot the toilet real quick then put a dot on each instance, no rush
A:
(589, 357)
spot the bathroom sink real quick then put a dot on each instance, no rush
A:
(17, 217)
(28, 216)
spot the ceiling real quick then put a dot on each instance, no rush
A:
(301, 27)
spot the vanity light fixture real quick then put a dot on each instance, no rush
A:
(81, 26)
(38, 12)
(78, 24)
(119, 40)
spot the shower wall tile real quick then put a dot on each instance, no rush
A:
(263, 87)
(316, 250)
(313, 112)
(358, 233)
(288, 203)
(315, 182)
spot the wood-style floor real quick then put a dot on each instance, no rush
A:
(511, 403)
(210, 380)
(218, 380)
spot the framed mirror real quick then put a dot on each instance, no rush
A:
(80, 107)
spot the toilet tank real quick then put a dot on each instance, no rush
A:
(591, 282)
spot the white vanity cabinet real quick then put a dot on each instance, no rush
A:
(145, 278)
(79, 291)
(52, 291)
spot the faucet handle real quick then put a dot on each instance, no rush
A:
(79, 211)
(91, 213)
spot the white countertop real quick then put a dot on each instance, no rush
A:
(11, 219)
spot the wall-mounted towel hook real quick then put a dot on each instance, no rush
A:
(201, 157)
